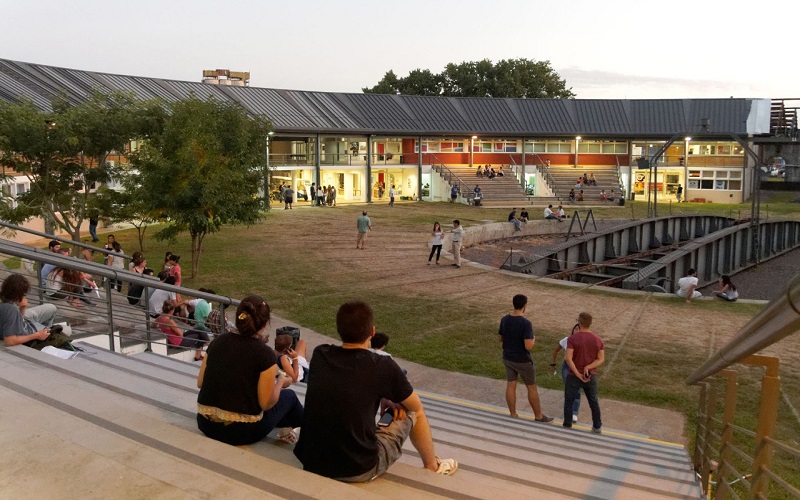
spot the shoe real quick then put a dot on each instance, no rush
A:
(575, 418)
(596, 430)
(567, 426)
(446, 466)
(287, 435)
(437, 262)
(429, 263)
(544, 419)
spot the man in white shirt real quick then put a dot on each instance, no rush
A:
(687, 286)
(548, 213)
(458, 235)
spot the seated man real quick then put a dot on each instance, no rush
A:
(20, 324)
(580, 195)
(560, 213)
(512, 218)
(346, 385)
(548, 213)
(687, 286)
(524, 216)
(158, 297)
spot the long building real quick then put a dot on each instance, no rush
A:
(362, 143)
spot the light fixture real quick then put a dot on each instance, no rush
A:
(578, 138)
(474, 137)
(687, 139)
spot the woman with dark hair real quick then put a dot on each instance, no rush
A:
(175, 268)
(436, 242)
(242, 392)
(116, 262)
(728, 291)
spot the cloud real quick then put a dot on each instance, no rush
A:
(595, 84)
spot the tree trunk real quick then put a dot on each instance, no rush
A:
(197, 243)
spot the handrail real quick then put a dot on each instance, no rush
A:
(59, 239)
(448, 175)
(779, 319)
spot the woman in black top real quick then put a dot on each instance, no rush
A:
(242, 396)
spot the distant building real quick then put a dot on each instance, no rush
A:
(226, 77)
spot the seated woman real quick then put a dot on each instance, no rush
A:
(242, 395)
(580, 195)
(592, 180)
(176, 336)
(500, 172)
(480, 171)
(292, 361)
(572, 195)
(728, 291)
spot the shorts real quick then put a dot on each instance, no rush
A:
(390, 448)
(524, 370)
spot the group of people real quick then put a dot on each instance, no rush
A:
(573, 197)
(585, 180)
(245, 395)
(584, 353)
(489, 172)
(687, 288)
(557, 214)
(610, 196)
(322, 196)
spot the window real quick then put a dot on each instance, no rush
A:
(603, 147)
(716, 149)
(715, 179)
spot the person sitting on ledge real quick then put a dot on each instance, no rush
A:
(572, 195)
(560, 213)
(20, 324)
(548, 213)
(292, 361)
(603, 196)
(524, 216)
(592, 180)
(729, 291)
(687, 286)
(512, 218)
(580, 195)
(346, 386)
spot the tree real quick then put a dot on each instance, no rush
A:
(520, 78)
(63, 154)
(202, 169)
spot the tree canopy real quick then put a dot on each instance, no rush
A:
(63, 153)
(202, 169)
(521, 78)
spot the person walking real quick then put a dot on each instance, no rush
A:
(458, 235)
(585, 352)
(454, 192)
(288, 197)
(436, 243)
(391, 196)
(364, 225)
(516, 335)
(679, 193)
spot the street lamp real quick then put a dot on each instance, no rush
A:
(266, 172)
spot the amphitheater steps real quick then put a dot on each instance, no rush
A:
(133, 417)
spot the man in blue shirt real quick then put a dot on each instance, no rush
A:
(516, 335)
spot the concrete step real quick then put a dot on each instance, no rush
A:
(498, 455)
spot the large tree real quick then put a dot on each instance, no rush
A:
(203, 169)
(521, 78)
(63, 154)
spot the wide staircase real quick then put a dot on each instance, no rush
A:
(500, 191)
(105, 424)
(564, 177)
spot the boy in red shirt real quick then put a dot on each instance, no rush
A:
(584, 354)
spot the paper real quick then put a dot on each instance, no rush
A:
(59, 353)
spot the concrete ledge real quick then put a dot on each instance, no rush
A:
(475, 235)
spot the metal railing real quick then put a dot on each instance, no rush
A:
(451, 178)
(102, 312)
(741, 458)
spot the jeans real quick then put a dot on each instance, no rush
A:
(287, 412)
(516, 223)
(195, 339)
(93, 230)
(572, 387)
(437, 249)
(576, 406)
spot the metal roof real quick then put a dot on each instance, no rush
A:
(294, 111)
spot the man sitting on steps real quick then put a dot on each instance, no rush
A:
(346, 385)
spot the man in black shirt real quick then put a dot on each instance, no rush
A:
(516, 334)
(346, 385)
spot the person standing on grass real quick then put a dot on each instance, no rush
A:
(516, 335)
(288, 198)
(454, 191)
(458, 235)
(364, 225)
(679, 193)
(585, 352)
(436, 242)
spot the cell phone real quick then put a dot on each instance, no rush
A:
(56, 329)
(386, 418)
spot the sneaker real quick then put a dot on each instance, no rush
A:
(287, 435)
(544, 419)
(575, 418)
(446, 466)
(596, 430)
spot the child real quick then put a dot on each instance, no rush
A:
(292, 361)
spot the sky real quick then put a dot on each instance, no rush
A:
(618, 49)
